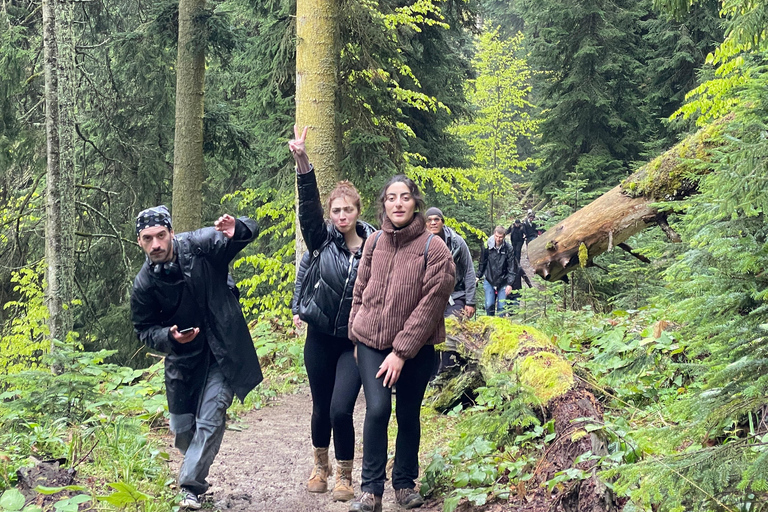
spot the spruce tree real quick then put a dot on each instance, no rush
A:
(589, 58)
(677, 49)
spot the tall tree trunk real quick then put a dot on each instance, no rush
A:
(317, 62)
(629, 208)
(58, 48)
(188, 175)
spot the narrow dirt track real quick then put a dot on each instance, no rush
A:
(265, 466)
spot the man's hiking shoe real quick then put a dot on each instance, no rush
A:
(408, 498)
(366, 503)
(189, 501)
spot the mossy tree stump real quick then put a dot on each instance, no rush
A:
(492, 345)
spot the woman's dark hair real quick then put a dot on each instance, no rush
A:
(415, 194)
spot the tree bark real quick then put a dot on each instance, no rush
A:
(59, 55)
(317, 63)
(188, 165)
(627, 208)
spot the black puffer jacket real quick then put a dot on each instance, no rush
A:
(303, 264)
(199, 295)
(327, 285)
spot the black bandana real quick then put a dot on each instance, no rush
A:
(157, 216)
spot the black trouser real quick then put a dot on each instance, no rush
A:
(517, 251)
(410, 392)
(335, 383)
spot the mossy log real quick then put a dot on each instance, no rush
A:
(627, 208)
(492, 345)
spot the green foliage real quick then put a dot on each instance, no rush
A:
(501, 108)
(268, 286)
(24, 341)
(488, 456)
(90, 411)
(677, 49)
(588, 62)
(500, 121)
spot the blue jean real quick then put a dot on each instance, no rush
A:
(495, 298)
(198, 436)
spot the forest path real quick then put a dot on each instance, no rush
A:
(264, 463)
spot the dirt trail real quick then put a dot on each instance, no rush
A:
(265, 466)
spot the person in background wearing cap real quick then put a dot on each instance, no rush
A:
(462, 299)
(184, 304)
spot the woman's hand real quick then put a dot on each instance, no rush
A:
(391, 368)
(299, 150)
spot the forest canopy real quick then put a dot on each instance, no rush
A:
(495, 108)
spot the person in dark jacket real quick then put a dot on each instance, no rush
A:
(529, 227)
(303, 264)
(462, 299)
(498, 269)
(325, 301)
(183, 305)
(516, 239)
(516, 234)
(405, 278)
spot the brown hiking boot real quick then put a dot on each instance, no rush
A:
(408, 498)
(366, 503)
(318, 480)
(343, 491)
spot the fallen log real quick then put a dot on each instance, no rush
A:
(627, 208)
(491, 345)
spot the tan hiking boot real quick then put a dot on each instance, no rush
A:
(318, 480)
(343, 491)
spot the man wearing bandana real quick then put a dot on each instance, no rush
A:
(184, 304)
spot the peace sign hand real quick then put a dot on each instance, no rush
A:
(299, 151)
(296, 145)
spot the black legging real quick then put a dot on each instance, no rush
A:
(378, 398)
(335, 383)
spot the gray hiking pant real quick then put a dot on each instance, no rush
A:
(199, 436)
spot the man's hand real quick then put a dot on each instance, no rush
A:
(226, 224)
(508, 289)
(184, 338)
(391, 368)
(469, 311)
(299, 150)
(296, 321)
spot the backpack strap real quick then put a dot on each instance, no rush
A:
(426, 249)
(376, 240)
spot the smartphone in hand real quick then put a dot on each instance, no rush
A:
(187, 330)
